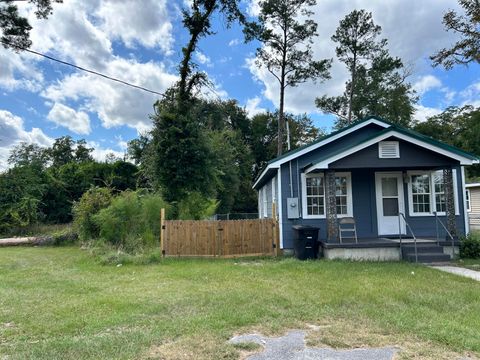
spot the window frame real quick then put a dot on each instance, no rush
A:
(433, 203)
(467, 200)
(348, 177)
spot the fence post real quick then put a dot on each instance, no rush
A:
(276, 233)
(162, 231)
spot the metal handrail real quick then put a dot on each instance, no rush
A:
(400, 215)
(437, 220)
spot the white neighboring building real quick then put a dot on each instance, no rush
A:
(473, 205)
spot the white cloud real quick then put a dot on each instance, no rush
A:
(422, 113)
(252, 107)
(414, 31)
(76, 121)
(203, 59)
(12, 133)
(147, 23)
(234, 42)
(100, 154)
(115, 104)
(426, 83)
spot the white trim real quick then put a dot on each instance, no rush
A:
(278, 163)
(280, 206)
(265, 201)
(433, 204)
(274, 198)
(472, 185)
(305, 214)
(465, 209)
(324, 164)
(379, 200)
(259, 197)
(467, 201)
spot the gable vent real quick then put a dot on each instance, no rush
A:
(388, 150)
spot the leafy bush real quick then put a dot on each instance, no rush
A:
(195, 206)
(470, 246)
(91, 202)
(132, 221)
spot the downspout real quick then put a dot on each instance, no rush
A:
(291, 178)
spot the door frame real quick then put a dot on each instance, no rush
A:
(379, 203)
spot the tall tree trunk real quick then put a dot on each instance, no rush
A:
(281, 119)
(281, 116)
(352, 86)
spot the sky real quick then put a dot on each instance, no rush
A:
(140, 42)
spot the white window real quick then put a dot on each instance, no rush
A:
(421, 193)
(388, 150)
(467, 198)
(314, 198)
(427, 193)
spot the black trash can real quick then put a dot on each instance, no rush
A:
(305, 242)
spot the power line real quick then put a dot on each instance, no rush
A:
(81, 68)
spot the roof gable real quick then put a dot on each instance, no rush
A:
(385, 129)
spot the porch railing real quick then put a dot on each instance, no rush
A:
(400, 216)
(438, 221)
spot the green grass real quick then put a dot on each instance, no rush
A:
(473, 264)
(38, 230)
(59, 303)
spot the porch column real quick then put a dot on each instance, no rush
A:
(331, 206)
(449, 201)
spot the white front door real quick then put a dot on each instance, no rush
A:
(390, 201)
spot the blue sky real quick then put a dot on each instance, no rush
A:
(141, 44)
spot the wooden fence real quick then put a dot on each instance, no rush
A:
(225, 238)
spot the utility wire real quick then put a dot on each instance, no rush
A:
(81, 68)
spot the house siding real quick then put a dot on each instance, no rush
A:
(409, 154)
(474, 212)
(364, 207)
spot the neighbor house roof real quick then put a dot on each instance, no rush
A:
(389, 130)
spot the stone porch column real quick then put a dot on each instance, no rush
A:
(331, 206)
(450, 201)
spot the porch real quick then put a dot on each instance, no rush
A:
(425, 249)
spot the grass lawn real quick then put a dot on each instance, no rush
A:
(59, 303)
(473, 264)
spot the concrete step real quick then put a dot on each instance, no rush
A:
(428, 258)
(410, 249)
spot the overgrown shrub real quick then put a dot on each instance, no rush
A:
(195, 206)
(91, 202)
(131, 222)
(470, 246)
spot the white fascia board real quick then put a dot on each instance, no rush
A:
(324, 164)
(278, 163)
(472, 185)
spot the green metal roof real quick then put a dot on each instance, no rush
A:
(392, 126)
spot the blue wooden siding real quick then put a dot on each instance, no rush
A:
(364, 206)
(411, 156)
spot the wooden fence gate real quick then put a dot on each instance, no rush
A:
(225, 238)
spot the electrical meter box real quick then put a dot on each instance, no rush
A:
(292, 208)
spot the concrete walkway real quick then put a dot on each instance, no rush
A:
(472, 274)
(292, 347)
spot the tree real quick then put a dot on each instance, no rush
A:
(357, 41)
(82, 153)
(15, 28)
(457, 126)
(182, 152)
(467, 49)
(286, 50)
(26, 154)
(378, 82)
(264, 136)
(381, 90)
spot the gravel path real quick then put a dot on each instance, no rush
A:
(472, 274)
(292, 347)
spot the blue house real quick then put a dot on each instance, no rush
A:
(399, 187)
